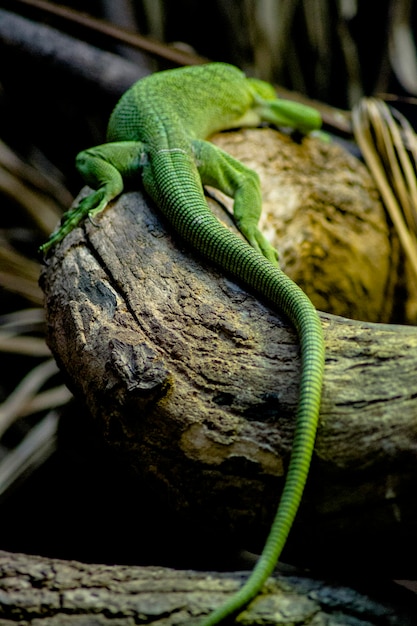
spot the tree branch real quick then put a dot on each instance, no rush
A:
(196, 381)
(51, 592)
(57, 52)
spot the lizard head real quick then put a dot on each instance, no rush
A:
(280, 112)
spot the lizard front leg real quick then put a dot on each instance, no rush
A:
(220, 170)
(104, 168)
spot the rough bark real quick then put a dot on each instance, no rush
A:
(36, 591)
(195, 381)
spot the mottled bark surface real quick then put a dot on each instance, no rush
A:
(323, 213)
(196, 382)
(37, 591)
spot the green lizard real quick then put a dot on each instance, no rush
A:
(158, 130)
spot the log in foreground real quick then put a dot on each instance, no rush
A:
(195, 381)
(50, 592)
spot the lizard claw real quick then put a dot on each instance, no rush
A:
(261, 244)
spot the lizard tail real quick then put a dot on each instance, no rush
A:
(200, 228)
(281, 291)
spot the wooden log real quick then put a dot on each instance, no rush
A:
(195, 381)
(321, 210)
(50, 592)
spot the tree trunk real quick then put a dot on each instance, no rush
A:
(195, 381)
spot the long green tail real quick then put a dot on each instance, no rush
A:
(281, 291)
(195, 223)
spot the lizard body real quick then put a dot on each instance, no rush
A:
(158, 129)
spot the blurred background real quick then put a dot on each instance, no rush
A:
(62, 68)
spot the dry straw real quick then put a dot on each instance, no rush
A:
(389, 147)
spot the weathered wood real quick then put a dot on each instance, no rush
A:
(196, 382)
(50, 592)
(321, 210)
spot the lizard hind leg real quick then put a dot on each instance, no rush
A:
(218, 169)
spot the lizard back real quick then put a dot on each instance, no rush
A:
(161, 107)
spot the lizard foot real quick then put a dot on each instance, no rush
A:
(91, 205)
(260, 243)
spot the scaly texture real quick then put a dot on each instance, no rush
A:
(158, 129)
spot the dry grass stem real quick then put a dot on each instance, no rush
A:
(31, 453)
(52, 398)
(41, 210)
(30, 346)
(40, 196)
(18, 274)
(389, 147)
(13, 406)
(24, 321)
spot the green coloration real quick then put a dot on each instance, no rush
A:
(158, 129)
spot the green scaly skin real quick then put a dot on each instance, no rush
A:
(158, 130)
